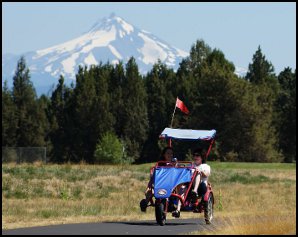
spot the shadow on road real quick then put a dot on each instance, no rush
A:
(148, 223)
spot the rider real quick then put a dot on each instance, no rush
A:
(204, 170)
(200, 182)
(166, 155)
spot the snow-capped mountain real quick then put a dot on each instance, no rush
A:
(110, 39)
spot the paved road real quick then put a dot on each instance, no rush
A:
(173, 226)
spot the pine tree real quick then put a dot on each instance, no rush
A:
(158, 107)
(24, 97)
(189, 77)
(196, 59)
(261, 76)
(42, 124)
(116, 101)
(43, 103)
(8, 118)
(56, 116)
(260, 70)
(135, 118)
(217, 102)
(84, 101)
(286, 108)
(90, 111)
(103, 119)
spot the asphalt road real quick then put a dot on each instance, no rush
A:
(172, 227)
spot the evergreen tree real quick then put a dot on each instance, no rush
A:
(286, 108)
(8, 118)
(196, 59)
(215, 103)
(260, 70)
(42, 126)
(84, 101)
(135, 118)
(91, 114)
(160, 106)
(103, 119)
(261, 75)
(189, 76)
(24, 97)
(70, 128)
(43, 103)
(116, 101)
(56, 115)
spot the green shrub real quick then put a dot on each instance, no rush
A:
(110, 150)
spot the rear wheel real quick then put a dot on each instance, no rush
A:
(160, 214)
(208, 209)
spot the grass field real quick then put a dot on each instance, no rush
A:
(250, 198)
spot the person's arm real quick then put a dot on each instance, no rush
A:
(149, 186)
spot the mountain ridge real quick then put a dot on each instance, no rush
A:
(110, 39)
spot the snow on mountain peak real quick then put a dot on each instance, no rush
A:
(106, 24)
(110, 39)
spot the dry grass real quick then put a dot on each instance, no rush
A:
(269, 225)
(70, 193)
(251, 225)
(35, 195)
(266, 205)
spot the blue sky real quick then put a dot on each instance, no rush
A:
(235, 28)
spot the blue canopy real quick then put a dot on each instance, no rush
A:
(165, 179)
(188, 134)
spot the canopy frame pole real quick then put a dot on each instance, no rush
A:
(170, 142)
(209, 149)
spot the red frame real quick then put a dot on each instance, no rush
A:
(187, 191)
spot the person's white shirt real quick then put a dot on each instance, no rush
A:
(205, 169)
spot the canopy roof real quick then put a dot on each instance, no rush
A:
(187, 134)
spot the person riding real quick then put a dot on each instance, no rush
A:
(167, 156)
(200, 182)
(204, 170)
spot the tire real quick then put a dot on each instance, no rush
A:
(208, 209)
(160, 214)
(143, 205)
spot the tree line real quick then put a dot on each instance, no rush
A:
(254, 116)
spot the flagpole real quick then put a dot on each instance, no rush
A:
(173, 113)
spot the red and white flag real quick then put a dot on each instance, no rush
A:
(181, 106)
